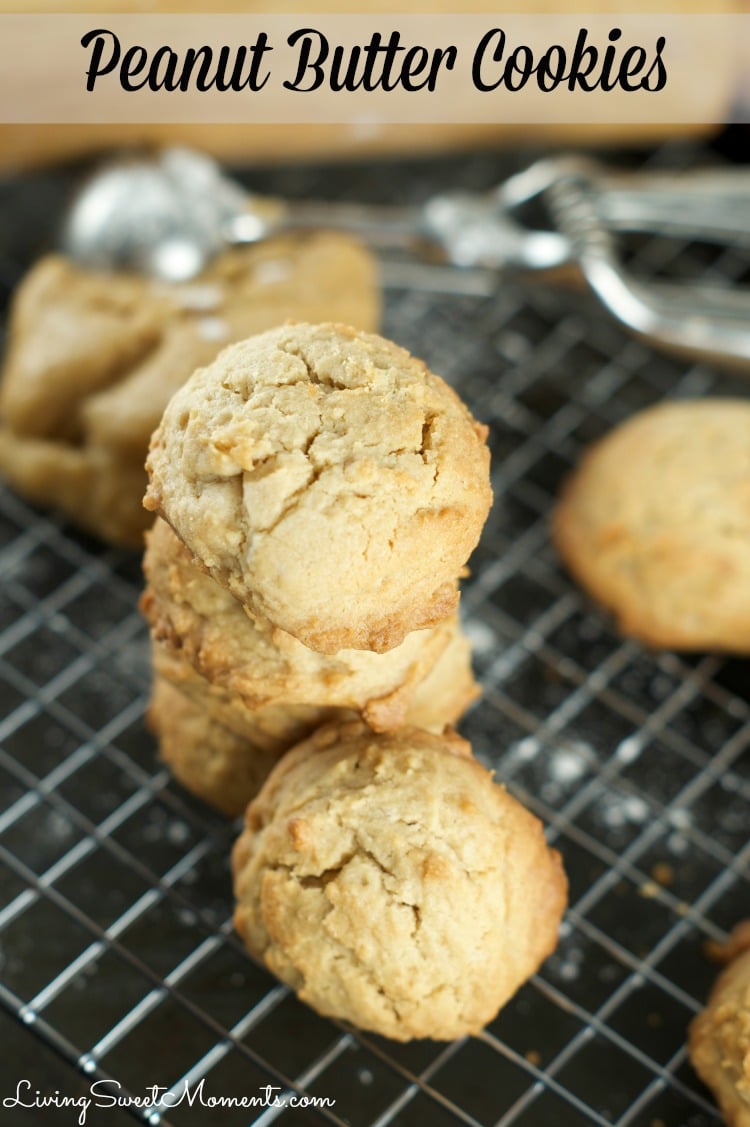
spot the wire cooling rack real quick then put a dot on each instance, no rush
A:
(115, 934)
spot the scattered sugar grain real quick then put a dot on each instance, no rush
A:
(482, 637)
(524, 750)
(569, 763)
(621, 811)
(629, 750)
(178, 833)
(677, 844)
(680, 818)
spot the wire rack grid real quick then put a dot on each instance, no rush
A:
(116, 946)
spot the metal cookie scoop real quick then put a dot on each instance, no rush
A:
(169, 214)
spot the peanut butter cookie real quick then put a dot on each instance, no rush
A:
(391, 883)
(262, 665)
(327, 479)
(655, 524)
(206, 734)
(210, 760)
(720, 1035)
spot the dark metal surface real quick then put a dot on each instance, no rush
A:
(116, 945)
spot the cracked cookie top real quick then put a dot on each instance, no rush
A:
(655, 524)
(393, 884)
(330, 481)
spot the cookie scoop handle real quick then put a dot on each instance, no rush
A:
(168, 214)
(694, 321)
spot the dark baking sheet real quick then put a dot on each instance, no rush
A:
(116, 948)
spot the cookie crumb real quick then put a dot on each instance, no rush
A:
(663, 873)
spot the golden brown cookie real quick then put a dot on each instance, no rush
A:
(331, 482)
(95, 487)
(391, 883)
(221, 750)
(271, 727)
(94, 358)
(720, 1036)
(440, 699)
(446, 692)
(655, 524)
(261, 664)
(213, 762)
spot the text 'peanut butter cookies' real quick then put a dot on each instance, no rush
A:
(720, 1035)
(331, 482)
(655, 524)
(392, 884)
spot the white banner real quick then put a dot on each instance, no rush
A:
(371, 69)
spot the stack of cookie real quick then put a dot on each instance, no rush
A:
(320, 492)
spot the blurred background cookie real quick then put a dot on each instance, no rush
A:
(93, 359)
(655, 524)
